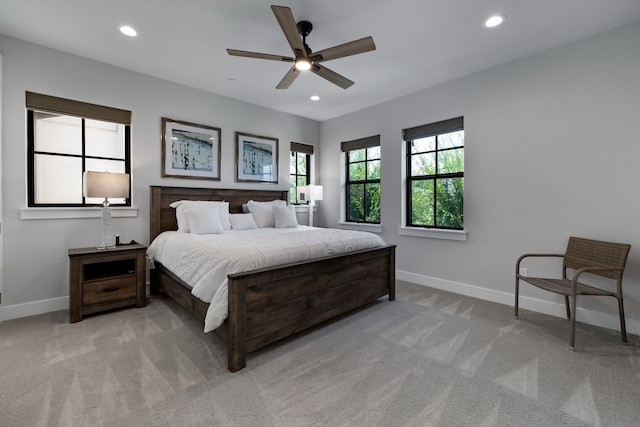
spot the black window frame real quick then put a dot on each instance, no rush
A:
(358, 144)
(53, 105)
(307, 151)
(425, 131)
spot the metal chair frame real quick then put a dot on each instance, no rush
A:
(583, 256)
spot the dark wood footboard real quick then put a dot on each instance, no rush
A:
(270, 304)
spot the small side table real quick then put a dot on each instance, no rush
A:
(104, 279)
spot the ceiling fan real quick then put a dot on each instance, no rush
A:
(304, 58)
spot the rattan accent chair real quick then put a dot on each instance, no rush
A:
(582, 256)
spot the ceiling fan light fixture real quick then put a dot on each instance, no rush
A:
(303, 64)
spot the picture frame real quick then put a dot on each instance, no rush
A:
(190, 150)
(256, 158)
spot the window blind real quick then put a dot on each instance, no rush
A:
(301, 148)
(356, 144)
(53, 104)
(431, 129)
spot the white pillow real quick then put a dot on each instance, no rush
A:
(263, 212)
(204, 219)
(285, 216)
(242, 221)
(224, 215)
(181, 205)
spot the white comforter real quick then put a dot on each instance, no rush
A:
(204, 261)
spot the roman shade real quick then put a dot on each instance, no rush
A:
(356, 144)
(52, 104)
(437, 128)
(301, 148)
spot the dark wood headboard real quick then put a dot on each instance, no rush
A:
(163, 216)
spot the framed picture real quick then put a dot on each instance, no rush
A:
(256, 158)
(190, 150)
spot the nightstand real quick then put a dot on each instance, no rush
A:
(104, 279)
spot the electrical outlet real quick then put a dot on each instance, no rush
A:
(524, 272)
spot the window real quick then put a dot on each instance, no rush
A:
(65, 138)
(299, 170)
(362, 179)
(435, 175)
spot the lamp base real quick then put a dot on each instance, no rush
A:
(107, 237)
(311, 205)
(104, 248)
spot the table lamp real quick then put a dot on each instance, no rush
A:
(106, 185)
(310, 193)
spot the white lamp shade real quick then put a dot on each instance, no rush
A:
(106, 185)
(310, 193)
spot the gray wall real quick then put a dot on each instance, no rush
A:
(35, 277)
(552, 150)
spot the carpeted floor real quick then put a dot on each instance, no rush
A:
(430, 358)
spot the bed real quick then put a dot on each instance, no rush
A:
(268, 304)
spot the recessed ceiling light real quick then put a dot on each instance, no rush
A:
(128, 30)
(315, 98)
(494, 21)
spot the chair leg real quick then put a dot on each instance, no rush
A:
(623, 328)
(566, 304)
(572, 337)
(517, 291)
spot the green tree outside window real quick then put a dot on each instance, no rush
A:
(436, 181)
(363, 185)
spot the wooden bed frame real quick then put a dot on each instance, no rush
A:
(269, 304)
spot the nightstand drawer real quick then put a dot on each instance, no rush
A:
(109, 290)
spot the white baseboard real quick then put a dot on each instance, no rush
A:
(33, 308)
(609, 321)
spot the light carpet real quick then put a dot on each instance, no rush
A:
(430, 358)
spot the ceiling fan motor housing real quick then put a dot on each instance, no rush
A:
(304, 28)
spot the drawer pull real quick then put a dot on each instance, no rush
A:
(110, 289)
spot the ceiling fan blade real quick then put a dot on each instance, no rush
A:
(352, 48)
(289, 28)
(332, 76)
(246, 54)
(288, 78)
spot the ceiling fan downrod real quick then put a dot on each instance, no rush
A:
(305, 28)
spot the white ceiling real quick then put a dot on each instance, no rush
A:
(420, 43)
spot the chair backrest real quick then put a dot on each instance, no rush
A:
(587, 253)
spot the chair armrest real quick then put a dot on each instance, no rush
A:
(574, 280)
(537, 256)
